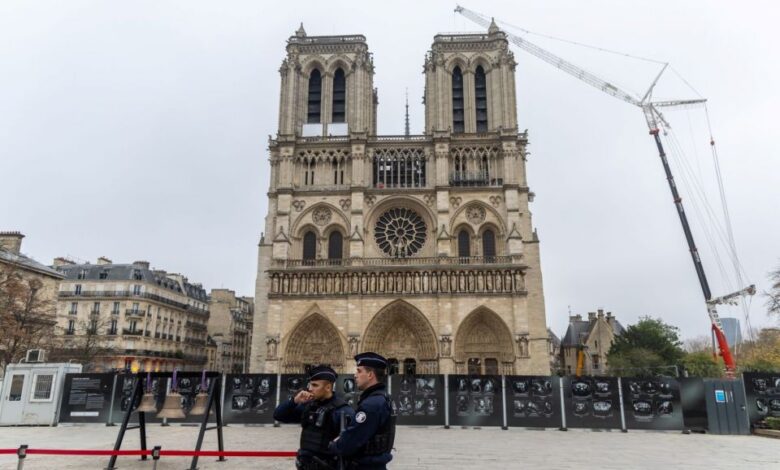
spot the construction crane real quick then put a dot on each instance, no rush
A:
(655, 121)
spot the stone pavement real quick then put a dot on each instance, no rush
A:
(419, 448)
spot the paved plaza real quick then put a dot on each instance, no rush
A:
(419, 447)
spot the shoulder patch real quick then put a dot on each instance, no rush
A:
(360, 417)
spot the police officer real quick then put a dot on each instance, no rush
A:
(367, 443)
(319, 411)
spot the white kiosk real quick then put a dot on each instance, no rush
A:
(31, 392)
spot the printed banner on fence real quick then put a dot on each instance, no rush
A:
(763, 395)
(418, 399)
(476, 400)
(86, 398)
(652, 404)
(533, 401)
(592, 402)
(249, 398)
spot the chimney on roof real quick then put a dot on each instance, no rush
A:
(577, 317)
(11, 241)
(141, 264)
(60, 261)
(591, 316)
(103, 261)
(601, 313)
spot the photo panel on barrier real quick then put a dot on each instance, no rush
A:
(346, 388)
(290, 385)
(763, 394)
(188, 388)
(86, 398)
(652, 403)
(418, 399)
(533, 401)
(592, 402)
(476, 400)
(249, 398)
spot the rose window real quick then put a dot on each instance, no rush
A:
(400, 232)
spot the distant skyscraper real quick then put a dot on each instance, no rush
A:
(733, 331)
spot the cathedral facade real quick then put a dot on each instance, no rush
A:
(419, 247)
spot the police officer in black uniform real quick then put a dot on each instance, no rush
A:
(367, 443)
(319, 411)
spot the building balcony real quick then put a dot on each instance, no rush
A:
(128, 332)
(468, 277)
(94, 312)
(135, 312)
(420, 262)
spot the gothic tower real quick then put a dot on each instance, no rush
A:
(419, 247)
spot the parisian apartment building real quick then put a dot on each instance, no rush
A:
(418, 246)
(230, 328)
(31, 279)
(146, 319)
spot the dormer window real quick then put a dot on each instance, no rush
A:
(315, 97)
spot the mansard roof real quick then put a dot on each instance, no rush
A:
(132, 272)
(25, 262)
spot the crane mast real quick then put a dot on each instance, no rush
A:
(655, 120)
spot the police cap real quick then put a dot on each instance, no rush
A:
(371, 359)
(322, 373)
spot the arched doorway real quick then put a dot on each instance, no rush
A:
(315, 340)
(402, 334)
(483, 345)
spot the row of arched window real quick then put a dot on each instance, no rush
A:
(488, 244)
(339, 98)
(480, 100)
(336, 245)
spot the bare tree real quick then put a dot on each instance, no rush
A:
(701, 343)
(773, 304)
(26, 316)
(85, 345)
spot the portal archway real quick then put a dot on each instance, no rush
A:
(483, 344)
(314, 340)
(400, 332)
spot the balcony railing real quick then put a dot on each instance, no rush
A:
(132, 311)
(413, 261)
(195, 326)
(128, 332)
(474, 178)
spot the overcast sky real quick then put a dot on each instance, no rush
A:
(138, 130)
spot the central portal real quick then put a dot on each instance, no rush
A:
(403, 335)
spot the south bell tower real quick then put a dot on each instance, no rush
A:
(419, 247)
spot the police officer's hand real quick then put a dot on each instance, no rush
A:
(302, 397)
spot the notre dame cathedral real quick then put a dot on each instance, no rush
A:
(419, 247)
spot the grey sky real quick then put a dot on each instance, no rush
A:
(138, 130)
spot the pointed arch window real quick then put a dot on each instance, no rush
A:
(335, 247)
(480, 95)
(339, 96)
(315, 97)
(489, 245)
(464, 244)
(457, 101)
(309, 247)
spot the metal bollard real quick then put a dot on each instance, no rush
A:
(21, 453)
(155, 456)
